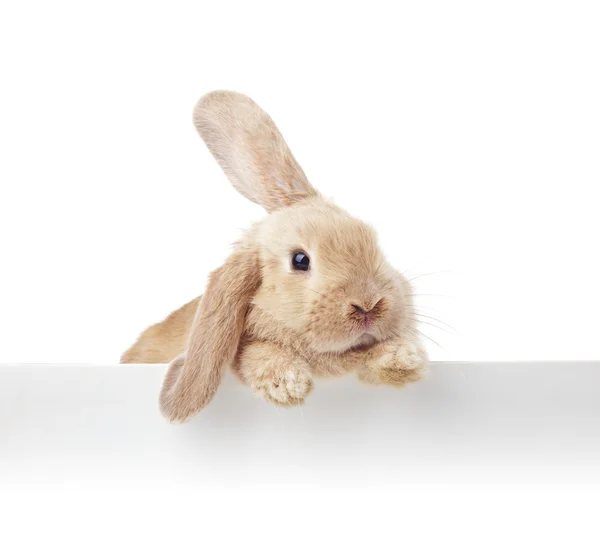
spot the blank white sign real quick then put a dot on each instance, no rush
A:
(497, 422)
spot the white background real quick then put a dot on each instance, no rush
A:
(466, 132)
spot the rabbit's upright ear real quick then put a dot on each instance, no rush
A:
(250, 149)
(193, 377)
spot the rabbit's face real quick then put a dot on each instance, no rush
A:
(317, 270)
(325, 277)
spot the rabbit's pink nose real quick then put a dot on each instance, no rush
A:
(367, 315)
(361, 314)
(372, 309)
(359, 309)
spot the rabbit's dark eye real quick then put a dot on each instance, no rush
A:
(300, 261)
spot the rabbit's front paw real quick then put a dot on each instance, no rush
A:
(284, 386)
(399, 365)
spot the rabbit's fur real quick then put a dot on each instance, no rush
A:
(275, 326)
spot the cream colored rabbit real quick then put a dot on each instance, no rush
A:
(306, 293)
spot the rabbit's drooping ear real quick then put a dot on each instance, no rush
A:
(250, 149)
(193, 377)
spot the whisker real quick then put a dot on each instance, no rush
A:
(428, 274)
(439, 295)
(322, 295)
(300, 315)
(436, 326)
(436, 319)
(418, 332)
(419, 307)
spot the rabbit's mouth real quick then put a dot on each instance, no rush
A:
(358, 343)
(365, 341)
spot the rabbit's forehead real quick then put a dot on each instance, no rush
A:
(332, 234)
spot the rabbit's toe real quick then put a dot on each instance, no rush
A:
(285, 387)
(398, 366)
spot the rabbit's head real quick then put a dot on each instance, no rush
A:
(324, 277)
(311, 265)
(322, 273)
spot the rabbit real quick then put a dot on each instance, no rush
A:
(306, 292)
